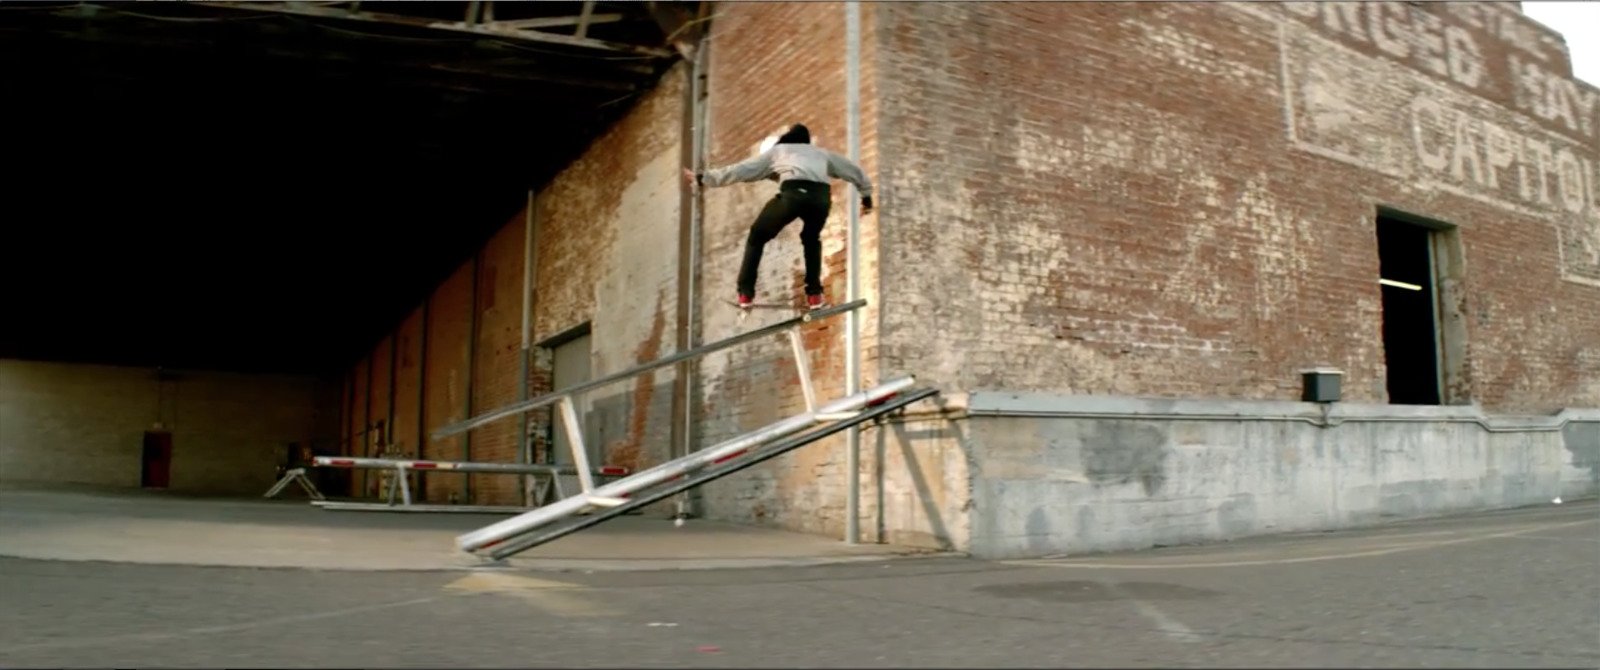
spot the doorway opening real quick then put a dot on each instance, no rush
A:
(156, 470)
(1419, 268)
(571, 353)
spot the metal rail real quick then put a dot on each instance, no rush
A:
(717, 471)
(673, 359)
(615, 494)
(400, 482)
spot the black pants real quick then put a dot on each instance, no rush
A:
(808, 201)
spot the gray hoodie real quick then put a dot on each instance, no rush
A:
(805, 162)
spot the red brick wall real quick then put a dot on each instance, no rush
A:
(360, 415)
(607, 245)
(771, 64)
(408, 379)
(444, 400)
(377, 442)
(1178, 199)
(496, 359)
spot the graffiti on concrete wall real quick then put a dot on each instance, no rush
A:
(1492, 119)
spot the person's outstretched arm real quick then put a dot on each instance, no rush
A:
(846, 169)
(755, 169)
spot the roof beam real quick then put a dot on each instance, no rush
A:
(583, 19)
(481, 29)
(554, 21)
(502, 72)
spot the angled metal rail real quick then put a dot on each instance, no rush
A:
(616, 493)
(686, 355)
(567, 398)
(717, 470)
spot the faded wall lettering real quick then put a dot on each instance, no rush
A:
(1536, 158)
(1491, 51)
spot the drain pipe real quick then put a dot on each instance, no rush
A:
(525, 491)
(852, 333)
(699, 114)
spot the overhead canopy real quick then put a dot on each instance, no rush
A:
(262, 185)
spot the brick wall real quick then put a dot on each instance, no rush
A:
(1176, 199)
(771, 64)
(85, 424)
(406, 425)
(446, 368)
(605, 254)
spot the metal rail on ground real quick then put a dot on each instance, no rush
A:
(716, 470)
(399, 485)
(616, 493)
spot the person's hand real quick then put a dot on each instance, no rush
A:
(866, 205)
(688, 176)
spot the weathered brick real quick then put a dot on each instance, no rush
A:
(799, 76)
(1116, 205)
(1158, 199)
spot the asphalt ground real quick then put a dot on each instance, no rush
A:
(1503, 590)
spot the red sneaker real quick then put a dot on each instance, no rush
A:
(815, 302)
(744, 301)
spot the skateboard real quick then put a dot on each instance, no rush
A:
(744, 310)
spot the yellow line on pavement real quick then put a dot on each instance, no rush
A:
(554, 597)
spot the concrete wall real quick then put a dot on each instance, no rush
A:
(1058, 475)
(1178, 199)
(85, 424)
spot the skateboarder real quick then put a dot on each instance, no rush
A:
(803, 172)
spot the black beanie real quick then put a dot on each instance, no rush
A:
(796, 134)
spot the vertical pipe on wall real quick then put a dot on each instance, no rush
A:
(524, 490)
(688, 259)
(852, 333)
(422, 398)
(699, 111)
(472, 364)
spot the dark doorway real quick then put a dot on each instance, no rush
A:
(1410, 312)
(157, 461)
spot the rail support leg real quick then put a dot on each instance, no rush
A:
(802, 367)
(394, 484)
(405, 485)
(580, 453)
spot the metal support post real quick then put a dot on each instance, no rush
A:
(802, 367)
(852, 347)
(580, 453)
(394, 484)
(404, 477)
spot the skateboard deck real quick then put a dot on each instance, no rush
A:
(767, 305)
(744, 310)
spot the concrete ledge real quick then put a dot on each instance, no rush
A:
(1062, 475)
(1001, 403)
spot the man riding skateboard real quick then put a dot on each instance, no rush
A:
(802, 171)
